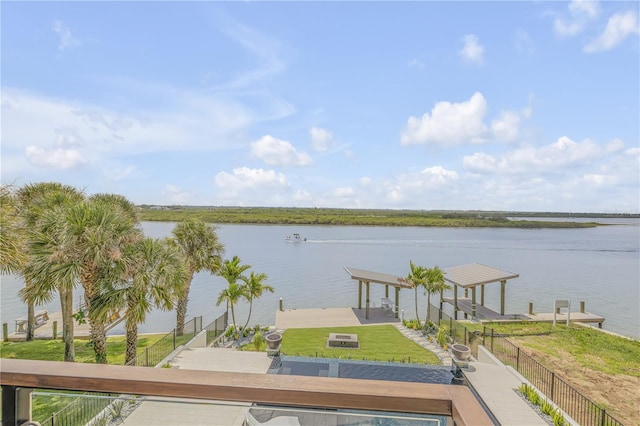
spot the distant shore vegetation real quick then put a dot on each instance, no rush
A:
(366, 217)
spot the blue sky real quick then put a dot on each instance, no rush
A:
(416, 105)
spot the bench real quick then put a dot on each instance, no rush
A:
(39, 317)
(386, 303)
(342, 340)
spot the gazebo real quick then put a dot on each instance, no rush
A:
(368, 277)
(471, 276)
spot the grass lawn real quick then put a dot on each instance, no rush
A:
(377, 343)
(53, 350)
(603, 367)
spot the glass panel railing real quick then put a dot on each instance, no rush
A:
(97, 410)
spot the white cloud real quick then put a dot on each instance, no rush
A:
(587, 8)
(449, 123)
(619, 27)
(554, 158)
(472, 51)
(452, 124)
(320, 138)
(244, 178)
(176, 195)
(56, 158)
(581, 12)
(523, 42)
(416, 63)
(277, 152)
(63, 31)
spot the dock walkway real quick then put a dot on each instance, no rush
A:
(486, 314)
(44, 330)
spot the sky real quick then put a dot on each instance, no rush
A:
(512, 106)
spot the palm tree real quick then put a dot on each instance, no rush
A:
(416, 278)
(35, 202)
(434, 283)
(12, 237)
(86, 246)
(202, 250)
(153, 276)
(232, 272)
(254, 289)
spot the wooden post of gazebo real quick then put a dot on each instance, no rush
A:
(482, 294)
(455, 302)
(503, 284)
(397, 307)
(366, 315)
(473, 303)
(359, 294)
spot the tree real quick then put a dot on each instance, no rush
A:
(85, 245)
(416, 279)
(40, 207)
(232, 272)
(434, 283)
(13, 236)
(254, 289)
(153, 276)
(202, 250)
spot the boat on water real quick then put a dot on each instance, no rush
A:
(295, 238)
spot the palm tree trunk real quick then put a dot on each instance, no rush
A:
(99, 339)
(66, 304)
(250, 306)
(416, 300)
(181, 308)
(30, 321)
(132, 341)
(233, 318)
(426, 321)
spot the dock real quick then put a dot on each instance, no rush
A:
(484, 313)
(44, 329)
(584, 317)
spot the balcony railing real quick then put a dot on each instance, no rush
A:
(18, 377)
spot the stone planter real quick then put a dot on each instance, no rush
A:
(461, 352)
(273, 340)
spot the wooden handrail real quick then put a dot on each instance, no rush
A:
(325, 392)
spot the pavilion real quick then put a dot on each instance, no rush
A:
(469, 277)
(368, 277)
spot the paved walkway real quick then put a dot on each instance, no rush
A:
(494, 383)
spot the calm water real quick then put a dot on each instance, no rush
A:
(598, 265)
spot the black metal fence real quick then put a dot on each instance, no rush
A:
(154, 354)
(80, 411)
(569, 399)
(217, 328)
(582, 409)
(84, 408)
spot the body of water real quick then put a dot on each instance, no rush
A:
(600, 266)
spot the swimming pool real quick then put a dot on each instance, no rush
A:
(368, 370)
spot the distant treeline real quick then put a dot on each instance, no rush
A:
(363, 217)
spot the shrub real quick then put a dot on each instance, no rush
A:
(258, 341)
(442, 336)
(558, 418)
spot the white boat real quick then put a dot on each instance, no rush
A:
(295, 238)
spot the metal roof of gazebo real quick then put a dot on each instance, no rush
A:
(476, 274)
(472, 276)
(368, 277)
(377, 277)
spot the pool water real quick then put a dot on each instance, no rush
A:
(368, 370)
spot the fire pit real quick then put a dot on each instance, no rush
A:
(273, 340)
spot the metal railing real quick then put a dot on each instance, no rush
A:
(582, 409)
(152, 355)
(216, 328)
(79, 412)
